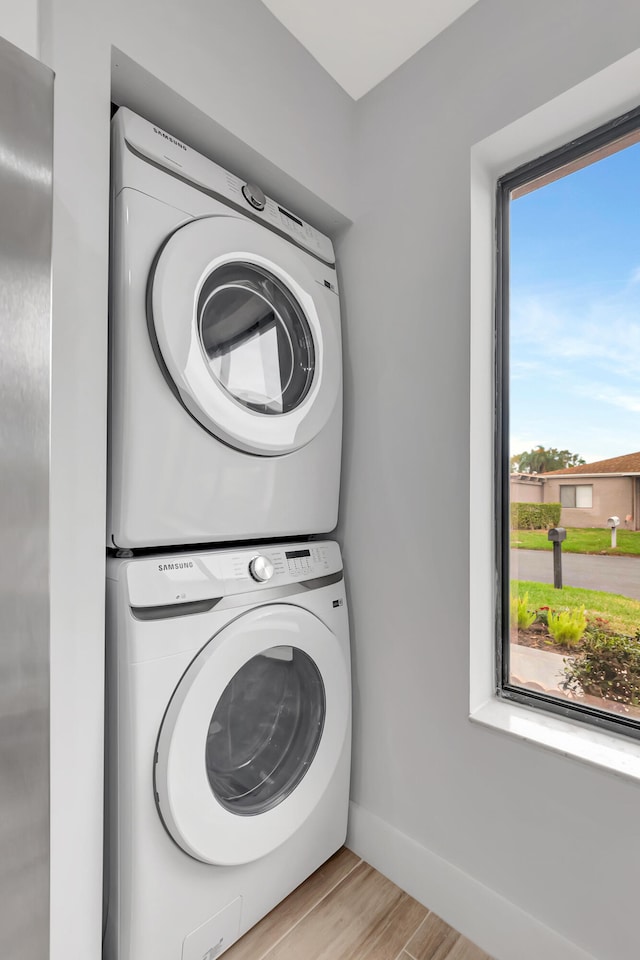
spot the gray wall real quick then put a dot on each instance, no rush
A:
(553, 836)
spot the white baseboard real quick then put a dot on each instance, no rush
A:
(498, 926)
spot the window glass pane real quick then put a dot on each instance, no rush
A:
(265, 730)
(568, 496)
(584, 497)
(256, 338)
(571, 517)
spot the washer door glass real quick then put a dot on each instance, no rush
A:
(265, 730)
(256, 338)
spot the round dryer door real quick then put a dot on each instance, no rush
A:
(236, 317)
(252, 735)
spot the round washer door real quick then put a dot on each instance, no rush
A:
(236, 318)
(252, 735)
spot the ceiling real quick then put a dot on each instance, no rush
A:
(360, 42)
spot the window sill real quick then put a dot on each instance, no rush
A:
(616, 754)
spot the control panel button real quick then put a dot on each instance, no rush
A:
(254, 196)
(261, 568)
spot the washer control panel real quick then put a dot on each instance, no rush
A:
(306, 562)
(188, 577)
(261, 568)
(280, 565)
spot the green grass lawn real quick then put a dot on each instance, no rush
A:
(581, 540)
(621, 613)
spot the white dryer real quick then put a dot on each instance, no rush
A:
(229, 741)
(225, 413)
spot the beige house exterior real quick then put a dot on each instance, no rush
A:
(589, 493)
(526, 488)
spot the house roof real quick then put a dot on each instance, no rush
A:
(630, 463)
(526, 477)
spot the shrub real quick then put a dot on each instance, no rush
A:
(535, 516)
(608, 667)
(520, 614)
(543, 616)
(567, 627)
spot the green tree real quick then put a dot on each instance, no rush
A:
(541, 460)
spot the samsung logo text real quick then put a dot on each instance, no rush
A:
(172, 140)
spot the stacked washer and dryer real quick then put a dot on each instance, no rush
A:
(228, 668)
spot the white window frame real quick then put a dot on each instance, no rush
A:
(574, 113)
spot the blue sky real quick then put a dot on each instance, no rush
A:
(575, 311)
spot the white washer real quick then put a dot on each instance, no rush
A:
(225, 414)
(229, 741)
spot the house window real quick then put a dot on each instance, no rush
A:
(572, 495)
(567, 354)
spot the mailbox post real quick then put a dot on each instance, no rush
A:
(557, 535)
(614, 523)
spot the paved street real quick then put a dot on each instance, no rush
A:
(611, 574)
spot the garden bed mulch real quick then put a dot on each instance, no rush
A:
(537, 635)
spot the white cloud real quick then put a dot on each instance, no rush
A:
(605, 332)
(630, 402)
(576, 372)
(523, 369)
(534, 321)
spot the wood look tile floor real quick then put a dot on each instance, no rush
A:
(348, 911)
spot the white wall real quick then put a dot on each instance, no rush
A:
(233, 62)
(19, 24)
(556, 838)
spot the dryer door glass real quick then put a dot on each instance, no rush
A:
(265, 730)
(255, 337)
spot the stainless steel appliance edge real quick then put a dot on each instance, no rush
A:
(26, 147)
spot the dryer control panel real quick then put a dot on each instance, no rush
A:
(154, 144)
(216, 574)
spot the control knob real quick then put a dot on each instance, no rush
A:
(254, 196)
(261, 568)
